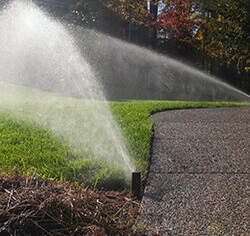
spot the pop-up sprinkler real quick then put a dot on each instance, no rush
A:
(136, 185)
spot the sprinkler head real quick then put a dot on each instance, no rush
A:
(136, 185)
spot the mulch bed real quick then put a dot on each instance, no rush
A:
(35, 206)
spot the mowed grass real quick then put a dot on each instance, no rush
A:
(137, 126)
(27, 147)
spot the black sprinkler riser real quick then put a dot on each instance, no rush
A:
(136, 185)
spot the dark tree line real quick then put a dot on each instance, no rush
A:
(211, 35)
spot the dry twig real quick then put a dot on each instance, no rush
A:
(30, 206)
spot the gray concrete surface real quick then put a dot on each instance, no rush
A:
(199, 179)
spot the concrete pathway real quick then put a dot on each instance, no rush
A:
(199, 180)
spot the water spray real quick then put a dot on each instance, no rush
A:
(136, 185)
(55, 62)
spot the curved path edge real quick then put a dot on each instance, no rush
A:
(199, 179)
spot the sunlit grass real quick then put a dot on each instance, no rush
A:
(33, 150)
(137, 126)
(26, 145)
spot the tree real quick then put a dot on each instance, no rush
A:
(136, 14)
(218, 30)
(177, 19)
(222, 31)
(130, 10)
(223, 39)
(95, 14)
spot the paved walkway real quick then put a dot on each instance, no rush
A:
(199, 180)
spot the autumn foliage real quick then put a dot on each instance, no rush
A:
(178, 19)
(130, 10)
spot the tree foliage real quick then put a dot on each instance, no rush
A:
(130, 10)
(217, 29)
(95, 14)
(177, 19)
(223, 31)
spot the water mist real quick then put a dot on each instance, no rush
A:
(45, 64)
(131, 72)
(41, 68)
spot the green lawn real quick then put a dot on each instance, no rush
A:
(27, 144)
(134, 119)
